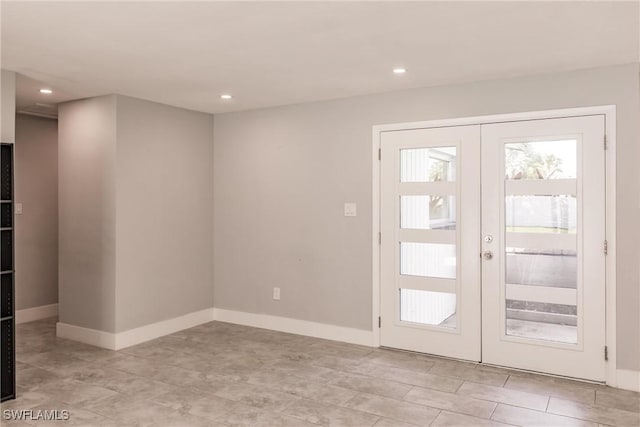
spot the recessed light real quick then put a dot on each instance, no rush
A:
(399, 70)
(46, 91)
(226, 96)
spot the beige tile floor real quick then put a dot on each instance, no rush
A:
(220, 374)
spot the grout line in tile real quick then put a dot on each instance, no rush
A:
(462, 380)
(558, 415)
(435, 418)
(511, 404)
(506, 380)
(494, 410)
(343, 407)
(426, 406)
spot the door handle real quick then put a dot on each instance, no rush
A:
(487, 255)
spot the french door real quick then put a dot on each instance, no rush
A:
(430, 220)
(492, 243)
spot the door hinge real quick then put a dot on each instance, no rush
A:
(605, 142)
(606, 353)
(379, 153)
(379, 238)
(606, 247)
(379, 321)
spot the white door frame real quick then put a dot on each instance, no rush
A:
(609, 111)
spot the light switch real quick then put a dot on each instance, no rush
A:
(349, 209)
(18, 208)
(276, 294)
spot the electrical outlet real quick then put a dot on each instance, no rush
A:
(276, 294)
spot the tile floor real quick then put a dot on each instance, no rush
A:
(220, 374)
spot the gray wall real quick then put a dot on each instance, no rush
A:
(36, 186)
(281, 176)
(7, 106)
(164, 240)
(136, 243)
(87, 212)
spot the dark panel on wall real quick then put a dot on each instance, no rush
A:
(7, 274)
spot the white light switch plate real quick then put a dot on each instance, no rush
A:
(276, 293)
(350, 209)
(18, 208)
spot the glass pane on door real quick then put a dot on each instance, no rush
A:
(428, 212)
(541, 300)
(541, 160)
(428, 307)
(541, 280)
(542, 267)
(541, 213)
(428, 260)
(428, 164)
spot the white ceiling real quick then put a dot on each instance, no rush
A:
(276, 53)
(30, 100)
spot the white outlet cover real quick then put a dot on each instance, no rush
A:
(18, 208)
(350, 209)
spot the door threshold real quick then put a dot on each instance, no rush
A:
(508, 368)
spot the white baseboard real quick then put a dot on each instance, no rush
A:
(296, 326)
(162, 328)
(628, 380)
(36, 313)
(86, 335)
(134, 336)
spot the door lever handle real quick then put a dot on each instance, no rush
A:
(487, 255)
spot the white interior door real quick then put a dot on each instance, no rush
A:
(430, 228)
(543, 225)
